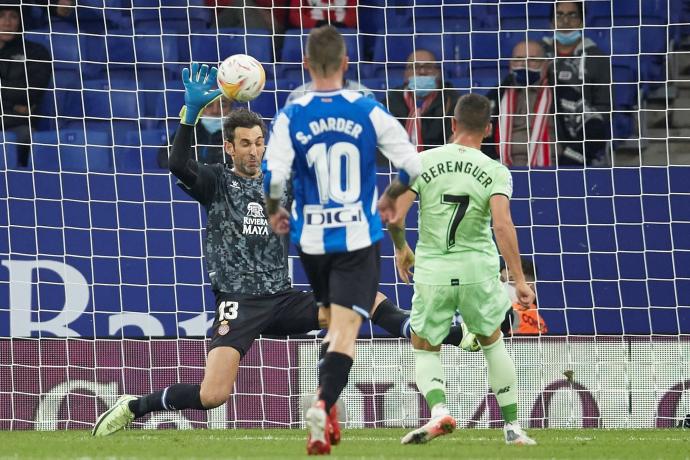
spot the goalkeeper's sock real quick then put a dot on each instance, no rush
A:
(454, 337)
(333, 370)
(322, 354)
(429, 377)
(502, 378)
(175, 397)
(392, 319)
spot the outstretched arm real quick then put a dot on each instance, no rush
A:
(404, 257)
(506, 239)
(200, 90)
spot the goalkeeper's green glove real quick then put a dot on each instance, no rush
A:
(200, 89)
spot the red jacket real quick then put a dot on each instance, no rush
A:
(306, 14)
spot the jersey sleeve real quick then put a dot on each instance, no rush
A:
(418, 184)
(393, 142)
(279, 157)
(503, 182)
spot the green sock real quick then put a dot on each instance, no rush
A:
(502, 378)
(429, 376)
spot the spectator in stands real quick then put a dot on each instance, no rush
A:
(23, 65)
(250, 14)
(422, 103)
(208, 136)
(523, 115)
(84, 19)
(307, 14)
(347, 84)
(583, 89)
(64, 9)
(522, 320)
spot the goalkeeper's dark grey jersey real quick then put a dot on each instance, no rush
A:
(243, 255)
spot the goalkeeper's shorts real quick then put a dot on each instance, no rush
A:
(240, 319)
(482, 306)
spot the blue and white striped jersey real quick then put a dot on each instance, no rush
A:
(326, 144)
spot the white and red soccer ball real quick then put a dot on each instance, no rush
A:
(241, 77)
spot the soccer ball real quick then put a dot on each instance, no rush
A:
(241, 78)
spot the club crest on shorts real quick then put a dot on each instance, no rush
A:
(224, 328)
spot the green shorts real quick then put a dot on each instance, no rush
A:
(482, 305)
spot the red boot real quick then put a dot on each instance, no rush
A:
(318, 426)
(334, 426)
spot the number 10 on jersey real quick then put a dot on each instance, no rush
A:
(328, 168)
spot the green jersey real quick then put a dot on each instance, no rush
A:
(455, 244)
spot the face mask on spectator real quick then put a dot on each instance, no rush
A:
(422, 84)
(568, 38)
(524, 77)
(212, 125)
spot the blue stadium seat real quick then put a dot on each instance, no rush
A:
(484, 17)
(71, 153)
(140, 152)
(602, 37)
(484, 45)
(443, 46)
(656, 12)
(428, 18)
(626, 12)
(65, 49)
(625, 96)
(123, 76)
(267, 103)
(162, 105)
(8, 150)
(394, 47)
(204, 48)
(254, 42)
(485, 74)
(512, 16)
(154, 50)
(539, 16)
(598, 14)
(69, 103)
(456, 18)
(295, 41)
(625, 40)
(623, 125)
(654, 46)
(102, 99)
(97, 102)
(40, 37)
(67, 78)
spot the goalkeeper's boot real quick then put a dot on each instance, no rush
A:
(437, 426)
(333, 425)
(469, 340)
(115, 418)
(514, 435)
(318, 438)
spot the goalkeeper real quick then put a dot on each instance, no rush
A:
(457, 268)
(246, 262)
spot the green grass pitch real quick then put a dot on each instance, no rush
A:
(585, 444)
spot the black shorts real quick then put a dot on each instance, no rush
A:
(350, 279)
(240, 319)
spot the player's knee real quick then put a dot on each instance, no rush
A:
(213, 397)
(379, 298)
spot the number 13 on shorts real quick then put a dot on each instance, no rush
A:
(227, 310)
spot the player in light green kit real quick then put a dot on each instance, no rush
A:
(457, 266)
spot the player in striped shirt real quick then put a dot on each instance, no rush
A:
(325, 143)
